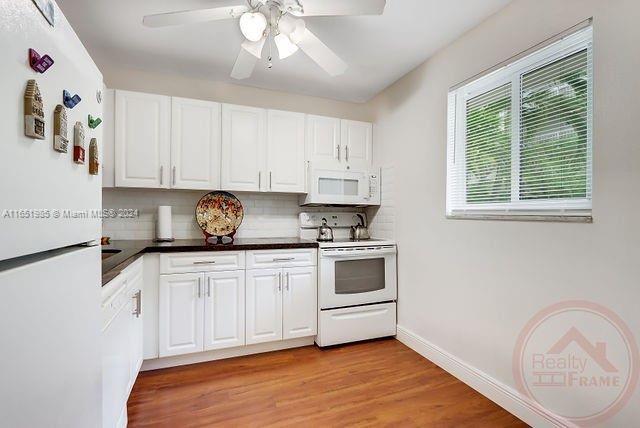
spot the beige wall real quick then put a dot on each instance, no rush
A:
(184, 86)
(469, 287)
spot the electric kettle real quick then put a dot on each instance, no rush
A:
(325, 233)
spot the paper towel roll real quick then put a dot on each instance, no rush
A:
(164, 231)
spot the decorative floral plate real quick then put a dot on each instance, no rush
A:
(219, 214)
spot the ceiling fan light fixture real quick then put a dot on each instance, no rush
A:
(253, 25)
(292, 27)
(285, 46)
(254, 48)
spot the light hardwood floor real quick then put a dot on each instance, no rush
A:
(377, 383)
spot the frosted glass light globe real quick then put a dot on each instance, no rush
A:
(253, 25)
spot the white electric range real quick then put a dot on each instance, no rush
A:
(357, 282)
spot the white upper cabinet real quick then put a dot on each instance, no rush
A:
(181, 314)
(356, 142)
(142, 135)
(323, 141)
(195, 144)
(264, 305)
(224, 310)
(285, 152)
(243, 143)
(299, 308)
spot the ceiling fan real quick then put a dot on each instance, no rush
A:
(280, 20)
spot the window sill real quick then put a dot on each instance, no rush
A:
(524, 217)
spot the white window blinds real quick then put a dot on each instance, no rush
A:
(519, 139)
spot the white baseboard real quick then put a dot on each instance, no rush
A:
(201, 357)
(501, 394)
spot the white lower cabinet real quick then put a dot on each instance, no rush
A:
(121, 342)
(281, 304)
(224, 310)
(181, 314)
(264, 305)
(300, 309)
(200, 312)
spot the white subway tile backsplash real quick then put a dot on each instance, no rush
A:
(266, 215)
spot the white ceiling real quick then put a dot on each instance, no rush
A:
(378, 49)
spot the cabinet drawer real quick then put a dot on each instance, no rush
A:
(356, 323)
(281, 258)
(206, 261)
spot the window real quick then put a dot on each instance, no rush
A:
(519, 140)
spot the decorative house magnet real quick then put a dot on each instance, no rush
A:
(70, 101)
(93, 157)
(94, 122)
(60, 141)
(78, 143)
(39, 63)
(33, 112)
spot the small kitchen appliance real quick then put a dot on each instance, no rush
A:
(357, 284)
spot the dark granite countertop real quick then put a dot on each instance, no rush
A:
(130, 251)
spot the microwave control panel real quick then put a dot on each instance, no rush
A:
(374, 185)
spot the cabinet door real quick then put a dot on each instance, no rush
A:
(181, 314)
(323, 141)
(137, 338)
(243, 146)
(357, 143)
(142, 134)
(264, 305)
(285, 151)
(300, 310)
(195, 144)
(224, 310)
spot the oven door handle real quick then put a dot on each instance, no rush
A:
(358, 255)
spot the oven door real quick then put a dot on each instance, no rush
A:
(357, 276)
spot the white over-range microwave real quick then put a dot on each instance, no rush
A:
(331, 187)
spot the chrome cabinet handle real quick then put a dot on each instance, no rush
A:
(204, 262)
(346, 153)
(161, 174)
(259, 180)
(174, 175)
(339, 152)
(138, 299)
(270, 184)
(199, 288)
(284, 259)
(286, 281)
(279, 281)
(208, 287)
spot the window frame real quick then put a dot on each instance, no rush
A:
(512, 73)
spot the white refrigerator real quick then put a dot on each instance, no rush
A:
(50, 263)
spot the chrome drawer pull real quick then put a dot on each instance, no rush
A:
(204, 262)
(284, 259)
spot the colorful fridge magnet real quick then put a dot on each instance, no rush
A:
(70, 101)
(39, 63)
(33, 111)
(94, 122)
(93, 157)
(60, 140)
(78, 143)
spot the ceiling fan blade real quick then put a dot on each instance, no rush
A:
(321, 54)
(341, 7)
(194, 16)
(245, 63)
(247, 59)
